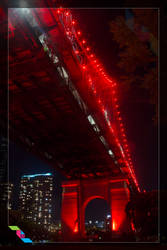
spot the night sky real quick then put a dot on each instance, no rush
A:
(137, 116)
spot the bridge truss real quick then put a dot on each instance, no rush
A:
(80, 73)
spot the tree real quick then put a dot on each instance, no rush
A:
(142, 210)
(138, 57)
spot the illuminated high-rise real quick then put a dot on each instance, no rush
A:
(36, 193)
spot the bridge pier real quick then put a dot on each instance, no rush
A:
(78, 193)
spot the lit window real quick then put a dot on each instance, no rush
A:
(64, 72)
(110, 152)
(103, 140)
(55, 59)
(96, 128)
(91, 120)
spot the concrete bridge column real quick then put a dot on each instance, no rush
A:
(77, 194)
(70, 210)
(119, 198)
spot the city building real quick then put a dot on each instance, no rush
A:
(35, 198)
(3, 160)
(5, 187)
(6, 190)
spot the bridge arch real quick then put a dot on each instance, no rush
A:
(96, 208)
(92, 198)
(78, 193)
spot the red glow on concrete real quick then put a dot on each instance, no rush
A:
(133, 227)
(70, 194)
(76, 228)
(114, 225)
(120, 197)
(70, 185)
(69, 213)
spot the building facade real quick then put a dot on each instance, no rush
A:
(35, 198)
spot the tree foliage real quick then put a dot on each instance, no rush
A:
(142, 210)
(138, 60)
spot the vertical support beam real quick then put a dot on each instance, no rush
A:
(70, 210)
(81, 210)
(119, 199)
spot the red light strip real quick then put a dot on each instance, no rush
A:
(93, 63)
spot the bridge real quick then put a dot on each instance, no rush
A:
(64, 108)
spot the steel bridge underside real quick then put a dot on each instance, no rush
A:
(44, 116)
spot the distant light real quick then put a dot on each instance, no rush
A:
(25, 10)
(34, 175)
(90, 222)
(77, 52)
(108, 216)
(91, 120)
(110, 152)
(67, 13)
(113, 226)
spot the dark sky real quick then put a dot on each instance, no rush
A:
(137, 116)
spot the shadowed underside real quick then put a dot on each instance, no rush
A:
(51, 112)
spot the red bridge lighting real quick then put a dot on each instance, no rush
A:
(67, 13)
(113, 226)
(77, 52)
(98, 79)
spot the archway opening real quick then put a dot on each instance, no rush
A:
(97, 218)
